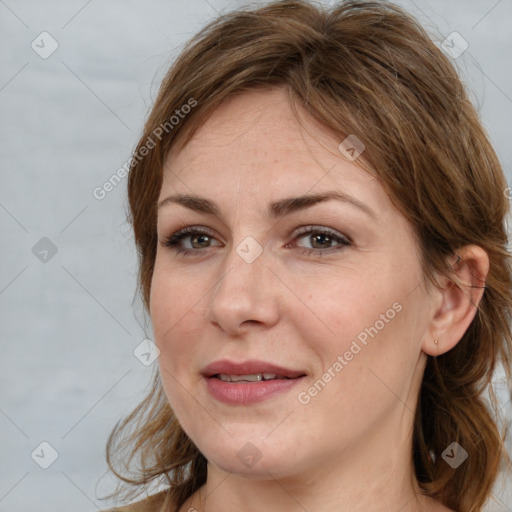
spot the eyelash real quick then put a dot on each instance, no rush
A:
(173, 240)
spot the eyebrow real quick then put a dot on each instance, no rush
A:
(276, 210)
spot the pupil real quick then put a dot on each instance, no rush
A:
(201, 236)
(320, 236)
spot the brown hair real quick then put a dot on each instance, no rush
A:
(365, 68)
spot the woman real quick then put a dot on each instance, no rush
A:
(320, 219)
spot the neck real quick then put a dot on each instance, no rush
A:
(364, 477)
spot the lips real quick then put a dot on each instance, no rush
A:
(254, 371)
(249, 382)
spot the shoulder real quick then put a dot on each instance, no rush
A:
(148, 504)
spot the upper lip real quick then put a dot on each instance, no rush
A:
(251, 367)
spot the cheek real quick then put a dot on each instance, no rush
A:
(174, 310)
(173, 314)
(366, 318)
(338, 307)
(365, 361)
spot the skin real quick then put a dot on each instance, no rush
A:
(349, 448)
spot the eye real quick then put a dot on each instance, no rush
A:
(197, 236)
(322, 237)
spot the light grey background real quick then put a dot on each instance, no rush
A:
(68, 122)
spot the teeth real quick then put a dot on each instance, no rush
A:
(255, 377)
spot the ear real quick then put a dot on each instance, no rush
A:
(455, 303)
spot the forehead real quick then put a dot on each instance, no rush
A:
(252, 145)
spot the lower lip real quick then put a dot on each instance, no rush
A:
(244, 393)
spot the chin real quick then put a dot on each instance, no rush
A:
(267, 468)
(251, 457)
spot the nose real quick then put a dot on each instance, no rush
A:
(246, 293)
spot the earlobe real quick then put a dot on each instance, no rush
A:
(459, 297)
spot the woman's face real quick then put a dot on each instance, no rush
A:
(325, 298)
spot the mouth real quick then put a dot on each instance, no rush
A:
(248, 382)
(249, 371)
(255, 377)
